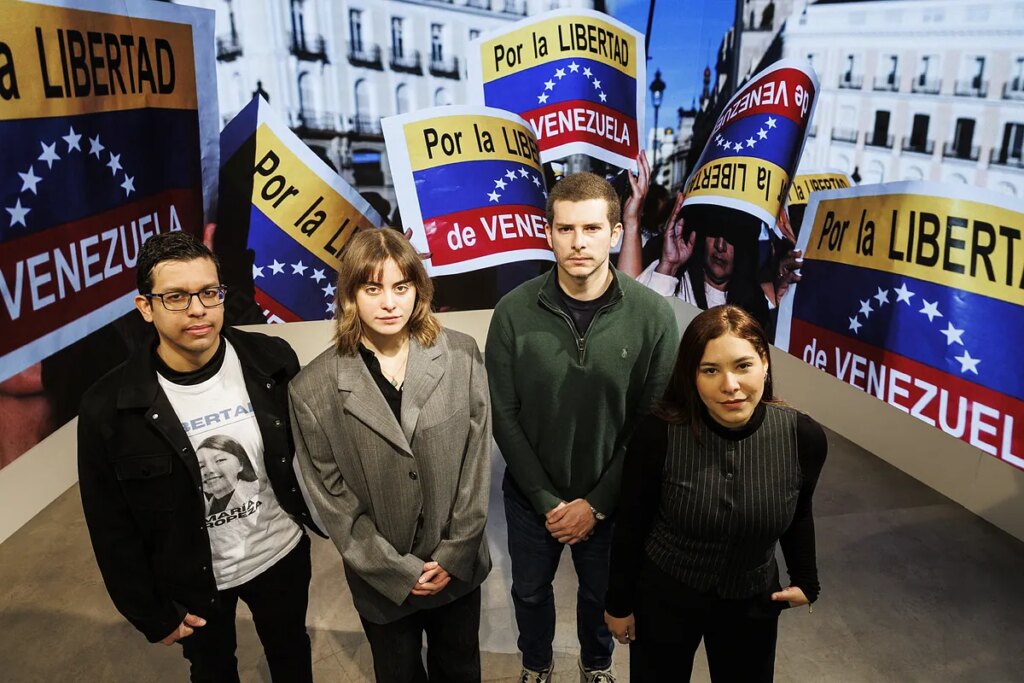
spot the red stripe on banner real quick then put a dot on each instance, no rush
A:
(274, 311)
(583, 121)
(466, 235)
(765, 96)
(986, 419)
(55, 276)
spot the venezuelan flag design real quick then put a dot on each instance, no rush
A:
(756, 143)
(913, 292)
(574, 76)
(470, 184)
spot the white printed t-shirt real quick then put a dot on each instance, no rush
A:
(249, 530)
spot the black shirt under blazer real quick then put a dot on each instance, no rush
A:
(707, 511)
(395, 493)
(142, 491)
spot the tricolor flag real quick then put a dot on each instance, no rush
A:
(99, 154)
(282, 202)
(576, 75)
(756, 143)
(470, 185)
(914, 292)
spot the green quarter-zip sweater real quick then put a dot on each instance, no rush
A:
(563, 405)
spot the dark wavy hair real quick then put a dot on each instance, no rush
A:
(224, 443)
(681, 403)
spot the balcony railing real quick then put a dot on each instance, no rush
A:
(517, 7)
(317, 122)
(1014, 90)
(366, 125)
(927, 148)
(228, 48)
(851, 81)
(890, 83)
(878, 140)
(926, 86)
(812, 131)
(844, 135)
(951, 151)
(479, 4)
(972, 87)
(365, 54)
(445, 68)
(311, 50)
(408, 62)
(1002, 157)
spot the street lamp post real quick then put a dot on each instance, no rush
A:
(657, 90)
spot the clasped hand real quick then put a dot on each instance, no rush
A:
(571, 522)
(433, 580)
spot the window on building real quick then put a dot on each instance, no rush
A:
(299, 23)
(474, 33)
(963, 138)
(1016, 83)
(1013, 143)
(355, 29)
(306, 106)
(436, 42)
(919, 133)
(880, 133)
(442, 97)
(397, 41)
(402, 99)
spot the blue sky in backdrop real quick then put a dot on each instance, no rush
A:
(685, 36)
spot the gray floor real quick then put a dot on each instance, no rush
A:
(915, 588)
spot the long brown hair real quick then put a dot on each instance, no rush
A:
(363, 261)
(681, 403)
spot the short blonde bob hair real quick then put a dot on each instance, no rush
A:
(363, 261)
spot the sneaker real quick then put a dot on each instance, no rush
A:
(596, 675)
(531, 676)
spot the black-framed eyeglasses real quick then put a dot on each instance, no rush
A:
(211, 297)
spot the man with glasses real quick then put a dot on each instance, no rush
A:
(201, 410)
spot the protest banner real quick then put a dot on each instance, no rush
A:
(800, 193)
(756, 143)
(109, 130)
(914, 293)
(816, 181)
(292, 211)
(578, 77)
(469, 185)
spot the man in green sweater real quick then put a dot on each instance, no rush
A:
(573, 358)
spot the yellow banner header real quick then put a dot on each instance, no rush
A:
(804, 184)
(62, 62)
(451, 139)
(300, 202)
(748, 180)
(556, 38)
(957, 243)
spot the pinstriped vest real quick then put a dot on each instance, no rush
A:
(724, 505)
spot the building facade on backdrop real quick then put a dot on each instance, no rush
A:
(916, 89)
(333, 68)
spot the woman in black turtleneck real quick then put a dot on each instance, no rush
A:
(717, 476)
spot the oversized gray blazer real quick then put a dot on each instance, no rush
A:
(391, 495)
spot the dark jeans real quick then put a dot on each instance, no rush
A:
(739, 635)
(453, 644)
(277, 599)
(535, 555)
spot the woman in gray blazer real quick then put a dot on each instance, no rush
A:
(393, 437)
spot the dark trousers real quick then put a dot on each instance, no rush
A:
(277, 599)
(453, 644)
(535, 555)
(739, 635)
